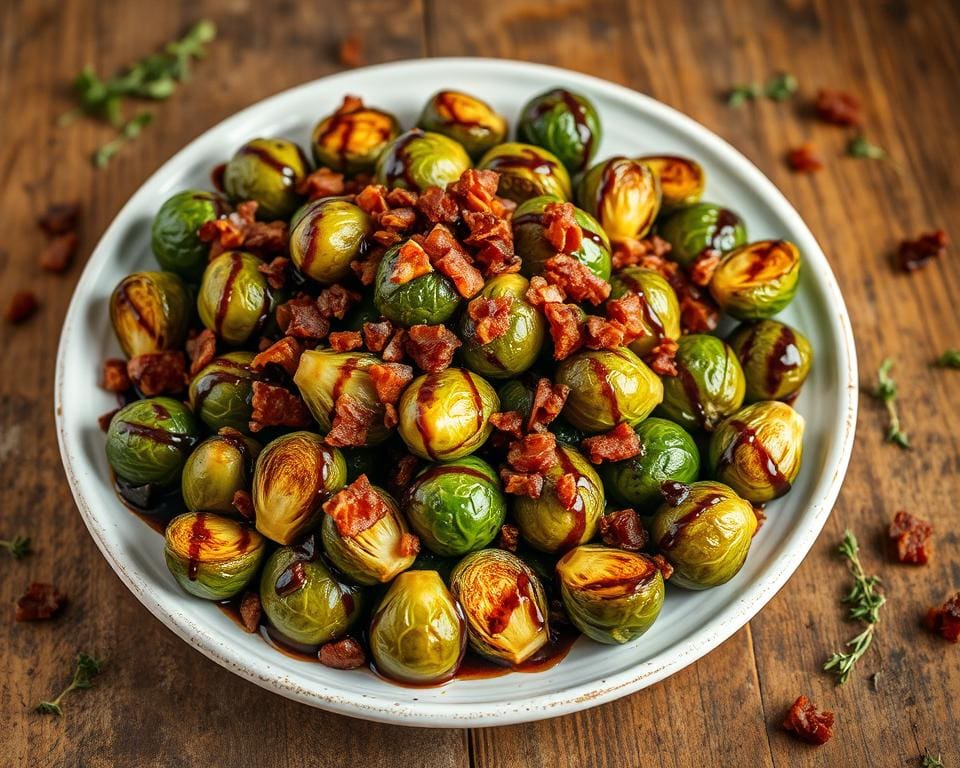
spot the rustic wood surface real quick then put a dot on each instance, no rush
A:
(161, 703)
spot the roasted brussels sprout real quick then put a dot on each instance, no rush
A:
(293, 476)
(149, 440)
(757, 280)
(515, 350)
(304, 600)
(352, 138)
(327, 236)
(704, 530)
(234, 300)
(775, 359)
(564, 122)
(504, 604)
(611, 595)
(150, 312)
(465, 119)
(430, 299)
(323, 376)
(660, 309)
(623, 195)
(417, 634)
(708, 387)
(173, 236)
(221, 394)
(456, 507)
(681, 179)
(695, 228)
(757, 451)
(446, 415)
(211, 556)
(219, 467)
(667, 452)
(607, 387)
(547, 523)
(533, 248)
(527, 171)
(419, 159)
(268, 171)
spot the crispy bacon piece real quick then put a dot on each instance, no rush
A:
(345, 653)
(409, 545)
(401, 473)
(561, 229)
(703, 267)
(251, 610)
(387, 237)
(323, 182)
(803, 159)
(373, 199)
(521, 483)
(628, 252)
(59, 218)
(509, 422)
(491, 317)
(336, 301)
(535, 452)
(158, 373)
(366, 268)
(201, 349)
(376, 335)
(351, 423)
(242, 501)
(350, 54)
(565, 329)
(509, 537)
(627, 313)
(449, 258)
(599, 333)
(577, 281)
(760, 515)
(491, 237)
(302, 319)
(945, 619)
(911, 538)
(284, 353)
(697, 315)
(265, 238)
(276, 272)
(345, 341)
(837, 107)
(393, 352)
(356, 508)
(59, 252)
(476, 190)
(808, 723)
(619, 444)
(662, 358)
(663, 566)
(22, 306)
(398, 219)
(275, 406)
(40, 601)
(913, 254)
(541, 292)
(241, 229)
(115, 377)
(411, 262)
(548, 401)
(567, 490)
(402, 198)
(623, 529)
(390, 379)
(437, 206)
(431, 346)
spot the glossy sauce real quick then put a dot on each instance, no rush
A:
(692, 391)
(746, 435)
(579, 510)
(669, 539)
(650, 317)
(783, 358)
(397, 163)
(199, 535)
(602, 372)
(268, 158)
(127, 300)
(236, 264)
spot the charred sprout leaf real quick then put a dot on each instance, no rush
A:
(886, 391)
(18, 546)
(87, 668)
(949, 359)
(740, 94)
(128, 133)
(859, 147)
(781, 87)
(929, 761)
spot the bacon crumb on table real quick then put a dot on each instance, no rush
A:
(59, 218)
(944, 620)
(803, 159)
(22, 306)
(914, 254)
(911, 538)
(41, 601)
(837, 107)
(57, 255)
(808, 723)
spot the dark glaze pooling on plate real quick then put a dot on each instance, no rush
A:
(669, 539)
(746, 435)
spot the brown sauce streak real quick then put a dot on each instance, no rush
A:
(746, 435)
(601, 372)
(267, 158)
(199, 535)
(343, 377)
(692, 390)
(783, 357)
(425, 398)
(579, 510)
(397, 162)
(126, 299)
(669, 539)
(224, 304)
(649, 316)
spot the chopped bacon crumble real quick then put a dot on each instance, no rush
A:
(808, 723)
(911, 538)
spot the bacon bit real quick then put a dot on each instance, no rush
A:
(804, 159)
(913, 254)
(350, 54)
(284, 353)
(356, 508)
(251, 611)
(565, 329)
(275, 406)
(627, 314)
(623, 529)
(509, 537)
(409, 545)
(387, 237)
(837, 107)
(345, 341)
(59, 252)
(630, 251)
(808, 723)
(323, 182)
(276, 272)
(372, 199)
(666, 570)
(399, 219)
(202, 349)
(437, 206)
(491, 317)
(698, 315)
(536, 452)
(351, 423)
(242, 501)
(158, 373)
(402, 198)
(662, 358)
(431, 346)
(402, 473)
(345, 653)
(115, 377)
(265, 238)
(376, 335)
(411, 262)
(619, 444)
(521, 483)
(450, 258)
(390, 379)
(59, 218)
(945, 620)
(394, 351)
(548, 401)
(509, 422)
(366, 269)
(302, 318)
(22, 306)
(491, 238)
(241, 229)
(541, 292)
(602, 334)
(104, 419)
(476, 190)
(703, 267)
(577, 281)
(567, 490)
(336, 301)
(40, 601)
(911, 538)
(561, 229)
(391, 417)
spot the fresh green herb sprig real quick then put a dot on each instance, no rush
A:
(87, 668)
(781, 87)
(741, 94)
(860, 148)
(929, 761)
(18, 546)
(949, 359)
(130, 130)
(865, 602)
(886, 391)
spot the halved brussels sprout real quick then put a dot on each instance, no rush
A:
(173, 236)
(234, 300)
(149, 440)
(704, 530)
(607, 387)
(221, 395)
(446, 415)
(775, 359)
(219, 467)
(757, 451)
(504, 604)
(681, 179)
(611, 595)
(268, 171)
(517, 349)
(417, 634)
(352, 138)
(550, 525)
(564, 122)
(210, 556)
(527, 171)
(623, 195)
(293, 476)
(429, 299)
(150, 312)
(456, 507)
(695, 228)
(327, 236)
(660, 309)
(419, 159)
(757, 280)
(465, 119)
(709, 385)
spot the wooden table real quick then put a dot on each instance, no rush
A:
(161, 703)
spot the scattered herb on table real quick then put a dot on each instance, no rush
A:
(18, 546)
(740, 94)
(87, 668)
(886, 390)
(128, 133)
(949, 359)
(929, 761)
(859, 147)
(781, 87)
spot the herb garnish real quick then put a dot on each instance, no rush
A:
(865, 602)
(741, 94)
(949, 359)
(782, 87)
(127, 133)
(886, 390)
(18, 546)
(861, 148)
(87, 669)
(929, 761)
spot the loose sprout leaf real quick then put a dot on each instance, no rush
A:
(18, 546)
(949, 359)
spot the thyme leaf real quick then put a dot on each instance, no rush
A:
(782, 87)
(87, 669)
(861, 148)
(929, 761)
(886, 391)
(18, 546)
(949, 359)
(128, 133)
(741, 94)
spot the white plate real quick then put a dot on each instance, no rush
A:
(691, 624)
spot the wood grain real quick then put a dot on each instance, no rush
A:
(160, 703)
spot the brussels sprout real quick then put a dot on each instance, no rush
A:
(695, 228)
(667, 452)
(465, 119)
(417, 634)
(221, 394)
(517, 349)
(704, 530)
(324, 375)
(173, 236)
(234, 300)
(210, 556)
(504, 604)
(611, 595)
(546, 523)
(527, 171)
(352, 138)
(456, 507)
(327, 236)
(293, 476)
(708, 387)
(681, 179)
(446, 415)
(419, 159)
(149, 440)
(757, 280)
(430, 299)
(303, 599)
(623, 195)
(564, 122)
(607, 387)
(757, 451)
(775, 359)
(533, 248)
(150, 312)
(268, 171)
(659, 306)
(219, 467)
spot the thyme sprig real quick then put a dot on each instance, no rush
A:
(18, 546)
(130, 130)
(87, 668)
(860, 148)
(929, 761)
(741, 94)
(886, 391)
(782, 87)
(949, 359)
